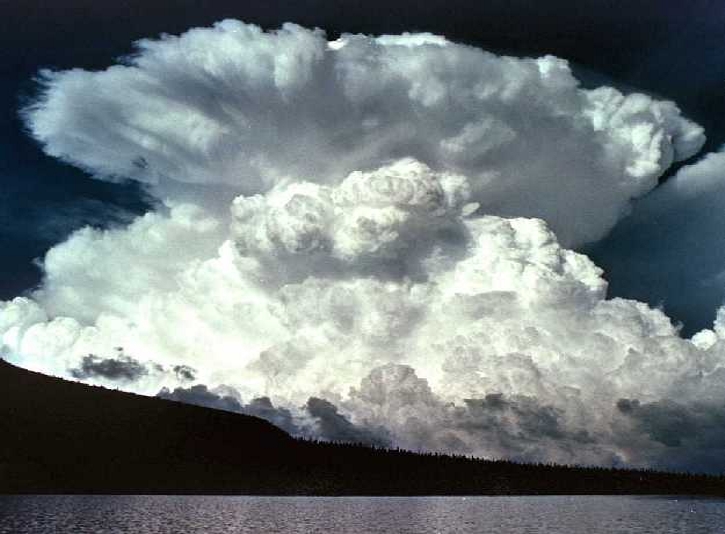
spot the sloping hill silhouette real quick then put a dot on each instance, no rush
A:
(58, 436)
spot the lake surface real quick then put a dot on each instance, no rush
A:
(415, 515)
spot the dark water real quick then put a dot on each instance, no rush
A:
(415, 515)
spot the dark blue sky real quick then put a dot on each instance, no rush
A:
(671, 49)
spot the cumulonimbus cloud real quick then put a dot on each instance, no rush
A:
(233, 105)
(372, 231)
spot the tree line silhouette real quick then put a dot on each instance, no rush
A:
(58, 436)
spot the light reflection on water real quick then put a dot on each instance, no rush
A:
(415, 515)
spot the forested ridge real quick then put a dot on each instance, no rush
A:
(58, 436)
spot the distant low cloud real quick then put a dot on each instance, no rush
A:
(200, 395)
(123, 368)
(673, 424)
(228, 399)
(395, 398)
(331, 425)
(318, 419)
(690, 435)
(281, 417)
(184, 373)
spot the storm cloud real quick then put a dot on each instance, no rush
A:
(371, 238)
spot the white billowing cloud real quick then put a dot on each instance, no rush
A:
(252, 110)
(387, 219)
(373, 229)
(507, 348)
(95, 271)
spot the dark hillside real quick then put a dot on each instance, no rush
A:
(63, 437)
